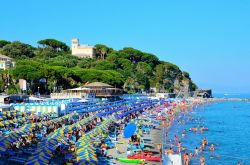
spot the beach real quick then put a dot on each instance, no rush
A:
(137, 129)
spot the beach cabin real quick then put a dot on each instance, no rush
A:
(90, 91)
(4, 99)
(5, 107)
(165, 95)
(39, 108)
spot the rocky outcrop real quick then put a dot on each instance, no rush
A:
(183, 87)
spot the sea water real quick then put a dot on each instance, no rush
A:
(229, 130)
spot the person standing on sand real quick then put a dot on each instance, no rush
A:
(170, 151)
(186, 159)
(179, 147)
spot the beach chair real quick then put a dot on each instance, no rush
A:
(110, 145)
(145, 130)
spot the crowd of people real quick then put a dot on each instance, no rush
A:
(31, 139)
(176, 146)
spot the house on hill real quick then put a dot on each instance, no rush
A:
(82, 51)
(6, 62)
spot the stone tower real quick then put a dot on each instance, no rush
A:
(75, 44)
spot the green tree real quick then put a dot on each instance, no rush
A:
(131, 85)
(150, 59)
(46, 53)
(3, 43)
(54, 44)
(159, 75)
(126, 67)
(194, 86)
(134, 54)
(112, 57)
(12, 89)
(102, 50)
(186, 75)
(104, 65)
(86, 63)
(18, 50)
(144, 69)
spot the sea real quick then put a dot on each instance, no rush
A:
(228, 124)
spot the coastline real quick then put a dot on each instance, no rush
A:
(200, 104)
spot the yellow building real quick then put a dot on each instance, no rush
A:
(82, 51)
(6, 62)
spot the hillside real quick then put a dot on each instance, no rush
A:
(51, 67)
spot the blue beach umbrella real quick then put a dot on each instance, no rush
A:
(37, 162)
(129, 130)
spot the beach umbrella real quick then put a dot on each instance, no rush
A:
(37, 162)
(129, 130)
(85, 162)
(2, 150)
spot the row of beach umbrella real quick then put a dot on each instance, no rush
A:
(86, 152)
(4, 115)
(57, 135)
(13, 136)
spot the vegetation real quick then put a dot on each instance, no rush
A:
(51, 67)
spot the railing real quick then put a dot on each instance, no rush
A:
(66, 95)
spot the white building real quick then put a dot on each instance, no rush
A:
(82, 51)
(6, 62)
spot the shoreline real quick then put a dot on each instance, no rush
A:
(193, 103)
(178, 109)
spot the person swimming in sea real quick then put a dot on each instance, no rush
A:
(191, 154)
(196, 152)
(201, 148)
(176, 138)
(202, 160)
(212, 148)
(195, 129)
(206, 142)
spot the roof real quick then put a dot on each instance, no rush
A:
(4, 96)
(3, 56)
(77, 89)
(85, 46)
(35, 98)
(98, 84)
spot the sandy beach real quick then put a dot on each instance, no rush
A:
(151, 141)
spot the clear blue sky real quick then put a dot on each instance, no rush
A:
(208, 38)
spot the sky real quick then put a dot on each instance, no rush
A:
(210, 39)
